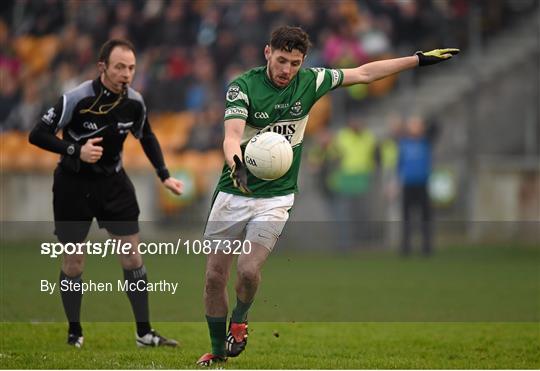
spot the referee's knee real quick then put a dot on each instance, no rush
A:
(73, 265)
(131, 261)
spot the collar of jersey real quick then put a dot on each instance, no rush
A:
(99, 87)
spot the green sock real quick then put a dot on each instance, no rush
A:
(217, 327)
(239, 313)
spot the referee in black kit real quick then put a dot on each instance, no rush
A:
(89, 181)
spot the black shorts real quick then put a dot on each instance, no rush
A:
(78, 199)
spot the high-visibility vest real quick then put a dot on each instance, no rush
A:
(355, 151)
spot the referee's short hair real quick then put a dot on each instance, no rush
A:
(107, 48)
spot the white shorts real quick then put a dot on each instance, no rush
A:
(259, 220)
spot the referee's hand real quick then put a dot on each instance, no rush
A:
(174, 185)
(90, 152)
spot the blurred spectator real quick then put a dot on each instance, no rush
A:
(66, 77)
(84, 51)
(44, 17)
(127, 17)
(389, 206)
(9, 95)
(202, 90)
(169, 35)
(24, 115)
(179, 26)
(10, 67)
(67, 51)
(354, 156)
(320, 162)
(89, 18)
(343, 49)
(414, 169)
(7, 53)
(225, 51)
(252, 27)
(208, 29)
(207, 132)
(251, 56)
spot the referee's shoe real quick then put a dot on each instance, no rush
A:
(75, 340)
(153, 339)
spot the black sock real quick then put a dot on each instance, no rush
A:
(71, 300)
(139, 300)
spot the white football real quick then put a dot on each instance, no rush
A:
(268, 156)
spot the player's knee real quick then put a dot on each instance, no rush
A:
(248, 275)
(215, 280)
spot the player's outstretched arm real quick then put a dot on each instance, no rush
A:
(234, 128)
(377, 70)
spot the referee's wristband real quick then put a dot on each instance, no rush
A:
(163, 174)
(73, 150)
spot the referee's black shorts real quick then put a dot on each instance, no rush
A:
(78, 199)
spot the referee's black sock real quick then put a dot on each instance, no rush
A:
(71, 300)
(139, 299)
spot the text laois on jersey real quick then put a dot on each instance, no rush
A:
(285, 129)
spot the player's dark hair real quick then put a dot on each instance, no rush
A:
(287, 38)
(107, 48)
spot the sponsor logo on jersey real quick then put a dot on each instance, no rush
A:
(335, 77)
(296, 109)
(232, 92)
(281, 106)
(286, 130)
(90, 125)
(125, 125)
(261, 115)
(236, 111)
(49, 116)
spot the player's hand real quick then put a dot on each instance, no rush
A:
(239, 175)
(90, 152)
(174, 185)
(435, 56)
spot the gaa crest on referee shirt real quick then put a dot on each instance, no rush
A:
(296, 109)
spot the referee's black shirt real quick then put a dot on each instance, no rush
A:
(89, 111)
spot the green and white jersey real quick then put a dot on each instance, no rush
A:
(265, 107)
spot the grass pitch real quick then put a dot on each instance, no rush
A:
(464, 308)
(299, 346)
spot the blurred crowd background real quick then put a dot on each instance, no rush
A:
(188, 51)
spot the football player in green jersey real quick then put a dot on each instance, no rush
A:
(276, 97)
